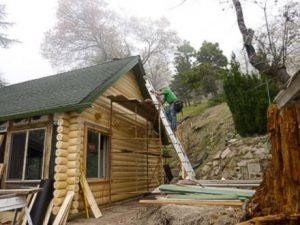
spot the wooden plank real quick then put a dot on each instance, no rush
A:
(14, 202)
(84, 197)
(234, 190)
(30, 207)
(2, 169)
(292, 91)
(1, 139)
(191, 189)
(231, 185)
(90, 198)
(231, 203)
(228, 181)
(25, 191)
(7, 196)
(48, 213)
(204, 197)
(64, 209)
(21, 215)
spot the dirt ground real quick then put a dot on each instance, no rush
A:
(133, 213)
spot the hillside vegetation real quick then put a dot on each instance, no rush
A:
(212, 143)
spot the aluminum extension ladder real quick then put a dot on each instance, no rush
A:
(175, 142)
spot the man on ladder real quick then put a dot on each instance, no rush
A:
(170, 125)
(170, 98)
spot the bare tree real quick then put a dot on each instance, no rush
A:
(153, 37)
(2, 80)
(5, 41)
(274, 70)
(86, 33)
(158, 70)
(280, 40)
(156, 42)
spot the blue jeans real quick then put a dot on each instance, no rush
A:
(171, 116)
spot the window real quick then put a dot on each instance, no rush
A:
(96, 155)
(26, 155)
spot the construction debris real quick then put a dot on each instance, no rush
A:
(198, 195)
(186, 189)
(90, 197)
(14, 199)
(63, 212)
(223, 183)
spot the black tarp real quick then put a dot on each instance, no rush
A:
(43, 198)
(168, 172)
(42, 201)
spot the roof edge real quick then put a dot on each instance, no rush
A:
(101, 88)
(76, 107)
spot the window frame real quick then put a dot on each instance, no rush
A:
(25, 154)
(105, 132)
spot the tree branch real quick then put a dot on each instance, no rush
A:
(276, 72)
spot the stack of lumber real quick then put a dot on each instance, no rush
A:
(224, 183)
(198, 195)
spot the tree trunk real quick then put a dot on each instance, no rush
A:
(276, 72)
(279, 191)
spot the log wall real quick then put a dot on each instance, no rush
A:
(280, 189)
(132, 171)
(67, 168)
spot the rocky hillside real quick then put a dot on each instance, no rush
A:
(219, 152)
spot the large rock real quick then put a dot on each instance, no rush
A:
(225, 153)
(217, 155)
(233, 140)
(216, 163)
(244, 150)
(217, 170)
(249, 155)
(205, 169)
(242, 163)
(260, 151)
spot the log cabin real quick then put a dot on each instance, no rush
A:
(94, 120)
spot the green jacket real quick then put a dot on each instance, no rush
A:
(169, 95)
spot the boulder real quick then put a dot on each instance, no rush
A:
(260, 151)
(249, 155)
(225, 153)
(205, 169)
(216, 163)
(242, 163)
(217, 155)
(232, 140)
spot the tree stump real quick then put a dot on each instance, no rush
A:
(279, 192)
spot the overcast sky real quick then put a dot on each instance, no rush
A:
(195, 21)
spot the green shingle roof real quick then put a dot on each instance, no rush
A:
(69, 91)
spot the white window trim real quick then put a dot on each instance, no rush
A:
(106, 154)
(25, 154)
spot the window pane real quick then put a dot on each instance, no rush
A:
(16, 159)
(92, 154)
(103, 156)
(35, 153)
